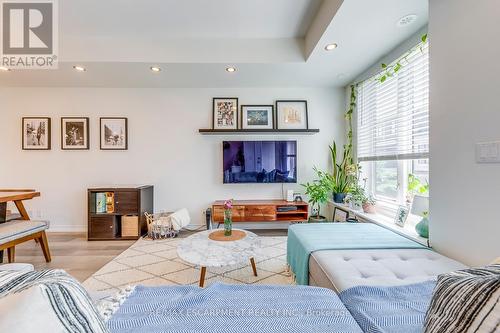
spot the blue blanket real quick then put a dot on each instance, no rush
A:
(389, 309)
(232, 308)
(303, 239)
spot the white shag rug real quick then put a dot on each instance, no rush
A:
(155, 262)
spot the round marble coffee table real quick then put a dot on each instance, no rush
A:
(202, 251)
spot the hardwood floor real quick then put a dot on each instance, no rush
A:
(81, 258)
(71, 252)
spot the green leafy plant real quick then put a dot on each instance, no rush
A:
(318, 190)
(392, 69)
(358, 194)
(344, 171)
(348, 117)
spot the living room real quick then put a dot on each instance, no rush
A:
(304, 148)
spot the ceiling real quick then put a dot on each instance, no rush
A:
(270, 42)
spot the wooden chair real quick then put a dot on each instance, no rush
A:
(19, 231)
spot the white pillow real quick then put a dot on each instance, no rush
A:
(28, 311)
(180, 219)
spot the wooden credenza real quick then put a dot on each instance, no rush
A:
(261, 211)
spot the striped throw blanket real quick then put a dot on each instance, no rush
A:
(389, 309)
(64, 301)
(222, 308)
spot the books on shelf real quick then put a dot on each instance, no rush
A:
(104, 202)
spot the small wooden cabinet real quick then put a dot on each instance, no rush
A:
(104, 222)
(262, 211)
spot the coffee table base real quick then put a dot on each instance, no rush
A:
(204, 272)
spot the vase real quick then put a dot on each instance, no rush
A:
(369, 208)
(339, 197)
(422, 227)
(228, 222)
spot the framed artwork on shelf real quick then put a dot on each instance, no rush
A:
(114, 133)
(36, 133)
(74, 133)
(401, 216)
(225, 113)
(291, 114)
(257, 116)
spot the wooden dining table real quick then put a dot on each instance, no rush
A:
(17, 196)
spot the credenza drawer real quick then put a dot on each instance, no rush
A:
(238, 213)
(260, 213)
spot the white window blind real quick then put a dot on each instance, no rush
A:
(393, 116)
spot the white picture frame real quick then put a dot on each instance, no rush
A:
(401, 216)
(257, 117)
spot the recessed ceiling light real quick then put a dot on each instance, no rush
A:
(406, 20)
(330, 47)
(155, 69)
(79, 68)
(231, 69)
(4, 69)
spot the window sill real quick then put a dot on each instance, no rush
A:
(407, 231)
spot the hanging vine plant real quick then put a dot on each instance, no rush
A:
(348, 117)
(390, 70)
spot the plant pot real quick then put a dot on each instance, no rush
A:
(369, 208)
(422, 227)
(315, 219)
(339, 197)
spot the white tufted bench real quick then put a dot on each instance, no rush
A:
(342, 269)
(19, 231)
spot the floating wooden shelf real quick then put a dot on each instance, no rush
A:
(209, 131)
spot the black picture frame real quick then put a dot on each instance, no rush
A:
(125, 147)
(278, 102)
(273, 125)
(86, 128)
(214, 100)
(48, 133)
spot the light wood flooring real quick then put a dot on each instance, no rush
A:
(81, 258)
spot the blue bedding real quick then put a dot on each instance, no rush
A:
(389, 309)
(233, 308)
(303, 239)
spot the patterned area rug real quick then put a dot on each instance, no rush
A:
(155, 262)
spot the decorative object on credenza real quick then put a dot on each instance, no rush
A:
(225, 113)
(420, 207)
(114, 133)
(401, 216)
(289, 195)
(257, 116)
(318, 191)
(228, 217)
(291, 114)
(36, 133)
(74, 133)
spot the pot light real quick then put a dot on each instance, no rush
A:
(4, 69)
(79, 68)
(330, 47)
(406, 20)
(155, 69)
(230, 69)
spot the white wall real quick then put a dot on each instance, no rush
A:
(165, 148)
(464, 110)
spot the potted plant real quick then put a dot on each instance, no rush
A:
(318, 191)
(415, 186)
(344, 173)
(358, 200)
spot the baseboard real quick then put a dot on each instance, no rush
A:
(67, 228)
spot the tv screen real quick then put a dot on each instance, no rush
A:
(260, 161)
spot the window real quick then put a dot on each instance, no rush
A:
(393, 128)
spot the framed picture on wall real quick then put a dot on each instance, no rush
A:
(401, 216)
(36, 133)
(74, 133)
(257, 116)
(114, 133)
(291, 114)
(225, 113)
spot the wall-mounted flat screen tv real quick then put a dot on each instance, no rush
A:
(260, 161)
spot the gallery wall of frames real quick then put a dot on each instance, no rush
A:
(75, 133)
